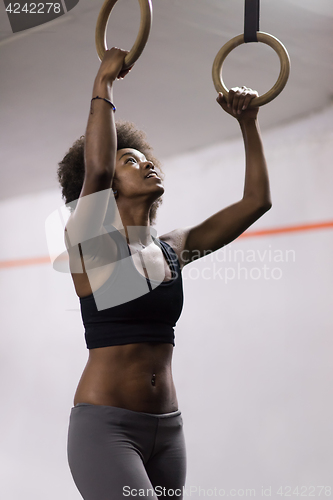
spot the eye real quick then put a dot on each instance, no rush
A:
(130, 159)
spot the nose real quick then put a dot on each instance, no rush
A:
(148, 164)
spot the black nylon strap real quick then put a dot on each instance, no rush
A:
(251, 23)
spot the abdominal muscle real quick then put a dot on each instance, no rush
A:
(136, 377)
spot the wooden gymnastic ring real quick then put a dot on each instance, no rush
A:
(141, 40)
(239, 40)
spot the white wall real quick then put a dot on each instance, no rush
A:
(252, 361)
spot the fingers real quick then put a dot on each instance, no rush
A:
(248, 99)
(220, 98)
(116, 50)
(239, 98)
(124, 72)
(116, 54)
(121, 54)
(113, 62)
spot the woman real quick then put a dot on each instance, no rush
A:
(125, 433)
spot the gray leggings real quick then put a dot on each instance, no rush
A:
(113, 453)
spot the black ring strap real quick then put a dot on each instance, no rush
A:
(251, 21)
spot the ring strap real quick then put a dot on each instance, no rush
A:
(251, 20)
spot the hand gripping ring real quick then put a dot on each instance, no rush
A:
(141, 40)
(239, 40)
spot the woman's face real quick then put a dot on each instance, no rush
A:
(134, 175)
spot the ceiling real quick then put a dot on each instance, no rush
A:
(47, 75)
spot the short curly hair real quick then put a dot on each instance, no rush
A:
(71, 169)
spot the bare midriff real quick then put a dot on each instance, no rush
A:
(136, 377)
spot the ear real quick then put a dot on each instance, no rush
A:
(114, 187)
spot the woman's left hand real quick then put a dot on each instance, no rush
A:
(238, 101)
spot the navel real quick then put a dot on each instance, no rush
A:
(153, 379)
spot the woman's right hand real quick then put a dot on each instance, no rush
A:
(237, 103)
(111, 65)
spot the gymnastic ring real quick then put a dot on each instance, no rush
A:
(239, 40)
(141, 40)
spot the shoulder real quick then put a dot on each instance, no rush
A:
(177, 240)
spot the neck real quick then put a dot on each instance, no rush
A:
(133, 222)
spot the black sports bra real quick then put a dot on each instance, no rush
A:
(130, 308)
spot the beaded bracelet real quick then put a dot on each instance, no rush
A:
(106, 100)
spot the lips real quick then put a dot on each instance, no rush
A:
(152, 173)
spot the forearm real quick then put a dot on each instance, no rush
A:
(100, 138)
(256, 186)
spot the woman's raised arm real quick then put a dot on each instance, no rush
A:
(99, 152)
(101, 140)
(227, 224)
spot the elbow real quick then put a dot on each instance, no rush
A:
(259, 206)
(262, 208)
(267, 205)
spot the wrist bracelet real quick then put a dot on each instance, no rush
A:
(106, 100)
